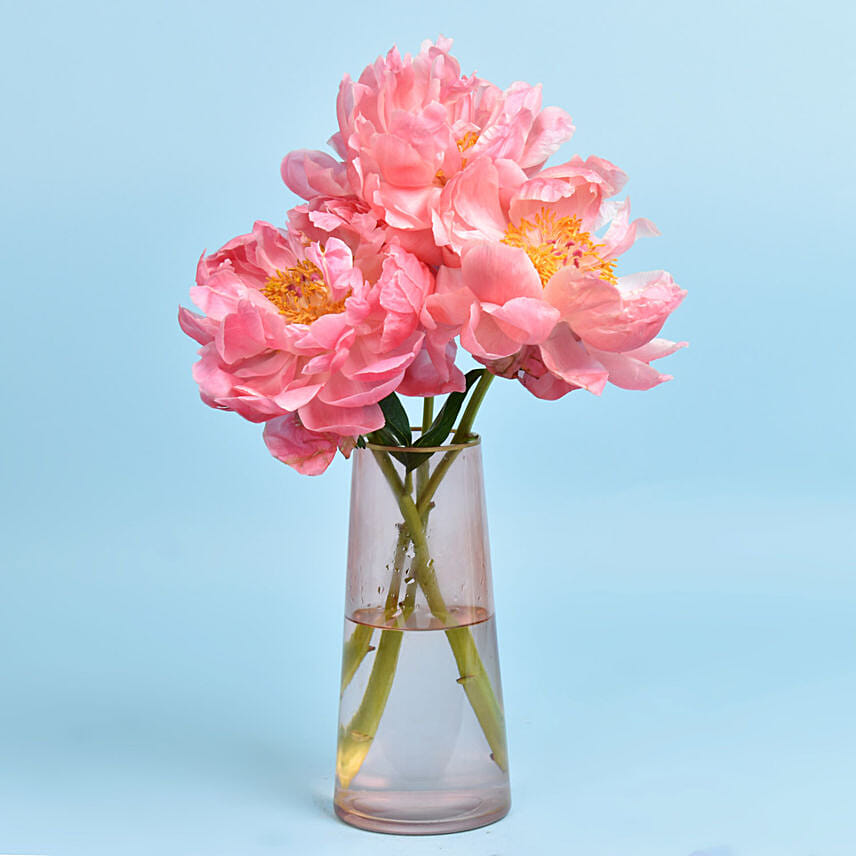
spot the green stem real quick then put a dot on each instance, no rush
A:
(356, 649)
(427, 413)
(460, 436)
(476, 683)
(476, 399)
(473, 676)
(391, 604)
(359, 645)
(356, 740)
(422, 469)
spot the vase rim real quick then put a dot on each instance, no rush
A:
(471, 443)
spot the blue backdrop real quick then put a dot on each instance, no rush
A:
(170, 613)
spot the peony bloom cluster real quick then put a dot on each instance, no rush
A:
(437, 224)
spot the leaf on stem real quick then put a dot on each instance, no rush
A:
(442, 426)
(397, 422)
(396, 431)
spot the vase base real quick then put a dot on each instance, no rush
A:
(422, 812)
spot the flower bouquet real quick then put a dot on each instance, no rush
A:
(437, 226)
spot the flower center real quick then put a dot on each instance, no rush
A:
(301, 294)
(467, 141)
(553, 243)
(464, 144)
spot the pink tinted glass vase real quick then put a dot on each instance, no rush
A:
(421, 744)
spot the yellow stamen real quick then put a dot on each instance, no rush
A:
(468, 141)
(464, 143)
(554, 242)
(301, 294)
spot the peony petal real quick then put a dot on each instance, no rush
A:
(614, 317)
(241, 334)
(655, 349)
(548, 387)
(312, 173)
(309, 452)
(565, 356)
(582, 187)
(352, 421)
(450, 304)
(469, 208)
(629, 373)
(622, 234)
(433, 372)
(498, 273)
(197, 326)
(551, 128)
(340, 392)
(297, 396)
(524, 319)
(484, 338)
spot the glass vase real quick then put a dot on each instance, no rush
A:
(422, 745)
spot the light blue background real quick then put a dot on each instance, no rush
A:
(674, 570)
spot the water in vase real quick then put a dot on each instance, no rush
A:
(414, 752)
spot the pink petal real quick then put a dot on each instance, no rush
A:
(565, 356)
(310, 453)
(450, 304)
(614, 318)
(401, 163)
(241, 334)
(552, 127)
(433, 372)
(629, 373)
(498, 273)
(622, 234)
(297, 396)
(312, 173)
(527, 320)
(655, 349)
(631, 370)
(547, 387)
(469, 208)
(582, 187)
(349, 421)
(484, 338)
(197, 326)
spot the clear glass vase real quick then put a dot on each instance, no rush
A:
(422, 744)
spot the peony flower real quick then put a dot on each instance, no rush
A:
(408, 125)
(536, 295)
(296, 328)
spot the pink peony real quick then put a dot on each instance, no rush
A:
(536, 295)
(292, 327)
(408, 125)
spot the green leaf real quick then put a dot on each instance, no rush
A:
(382, 437)
(441, 427)
(396, 419)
